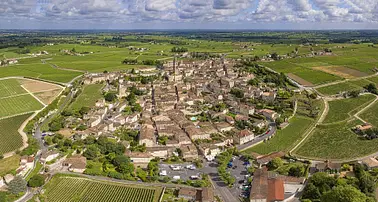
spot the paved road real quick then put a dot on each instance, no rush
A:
(259, 139)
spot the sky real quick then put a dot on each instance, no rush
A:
(189, 14)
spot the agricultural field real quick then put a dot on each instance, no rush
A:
(343, 109)
(10, 87)
(91, 93)
(345, 86)
(284, 138)
(336, 141)
(10, 138)
(19, 104)
(68, 188)
(10, 164)
(38, 70)
(371, 115)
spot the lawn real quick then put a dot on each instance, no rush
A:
(340, 110)
(10, 87)
(69, 188)
(336, 141)
(285, 138)
(10, 138)
(91, 93)
(18, 105)
(9, 164)
(371, 115)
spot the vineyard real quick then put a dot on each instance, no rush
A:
(64, 188)
(18, 104)
(10, 138)
(10, 87)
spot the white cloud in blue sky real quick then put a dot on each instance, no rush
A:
(171, 14)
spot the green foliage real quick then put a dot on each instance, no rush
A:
(17, 185)
(344, 194)
(110, 97)
(275, 163)
(36, 181)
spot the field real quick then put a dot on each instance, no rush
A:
(341, 71)
(285, 138)
(371, 115)
(10, 138)
(345, 86)
(38, 70)
(18, 105)
(340, 110)
(9, 164)
(336, 141)
(91, 93)
(64, 188)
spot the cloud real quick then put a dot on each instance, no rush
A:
(190, 11)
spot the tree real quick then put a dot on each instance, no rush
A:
(123, 164)
(91, 152)
(311, 192)
(297, 171)
(371, 88)
(84, 110)
(251, 169)
(36, 181)
(110, 97)
(344, 194)
(275, 163)
(17, 185)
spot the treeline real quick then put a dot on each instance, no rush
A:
(179, 50)
(143, 62)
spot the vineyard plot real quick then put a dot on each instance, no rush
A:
(64, 188)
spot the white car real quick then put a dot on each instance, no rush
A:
(176, 177)
(163, 173)
(191, 167)
(194, 177)
(176, 168)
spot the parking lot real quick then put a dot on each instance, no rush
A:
(184, 173)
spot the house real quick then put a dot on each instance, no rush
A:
(263, 160)
(328, 166)
(269, 96)
(370, 162)
(189, 194)
(239, 117)
(223, 126)
(189, 152)
(246, 110)
(147, 136)
(140, 158)
(270, 114)
(49, 156)
(260, 124)
(195, 133)
(8, 178)
(245, 136)
(76, 163)
(2, 183)
(265, 189)
(207, 195)
(362, 128)
(27, 161)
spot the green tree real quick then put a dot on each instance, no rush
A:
(36, 181)
(110, 97)
(17, 185)
(91, 152)
(311, 192)
(275, 163)
(344, 194)
(123, 164)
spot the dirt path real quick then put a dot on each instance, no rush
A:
(346, 80)
(365, 108)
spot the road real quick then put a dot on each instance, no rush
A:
(259, 139)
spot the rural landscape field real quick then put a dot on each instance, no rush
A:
(181, 116)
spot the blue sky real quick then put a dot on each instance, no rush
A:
(188, 14)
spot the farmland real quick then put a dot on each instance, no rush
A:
(17, 105)
(91, 93)
(65, 188)
(10, 138)
(345, 86)
(371, 115)
(10, 164)
(284, 138)
(340, 110)
(336, 141)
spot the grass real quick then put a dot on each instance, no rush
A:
(19, 104)
(284, 138)
(10, 138)
(38, 70)
(336, 141)
(35, 171)
(68, 188)
(10, 87)
(340, 110)
(9, 164)
(91, 93)
(344, 87)
(371, 115)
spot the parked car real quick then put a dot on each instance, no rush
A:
(191, 167)
(176, 177)
(163, 173)
(194, 177)
(175, 168)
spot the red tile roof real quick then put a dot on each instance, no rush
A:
(276, 190)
